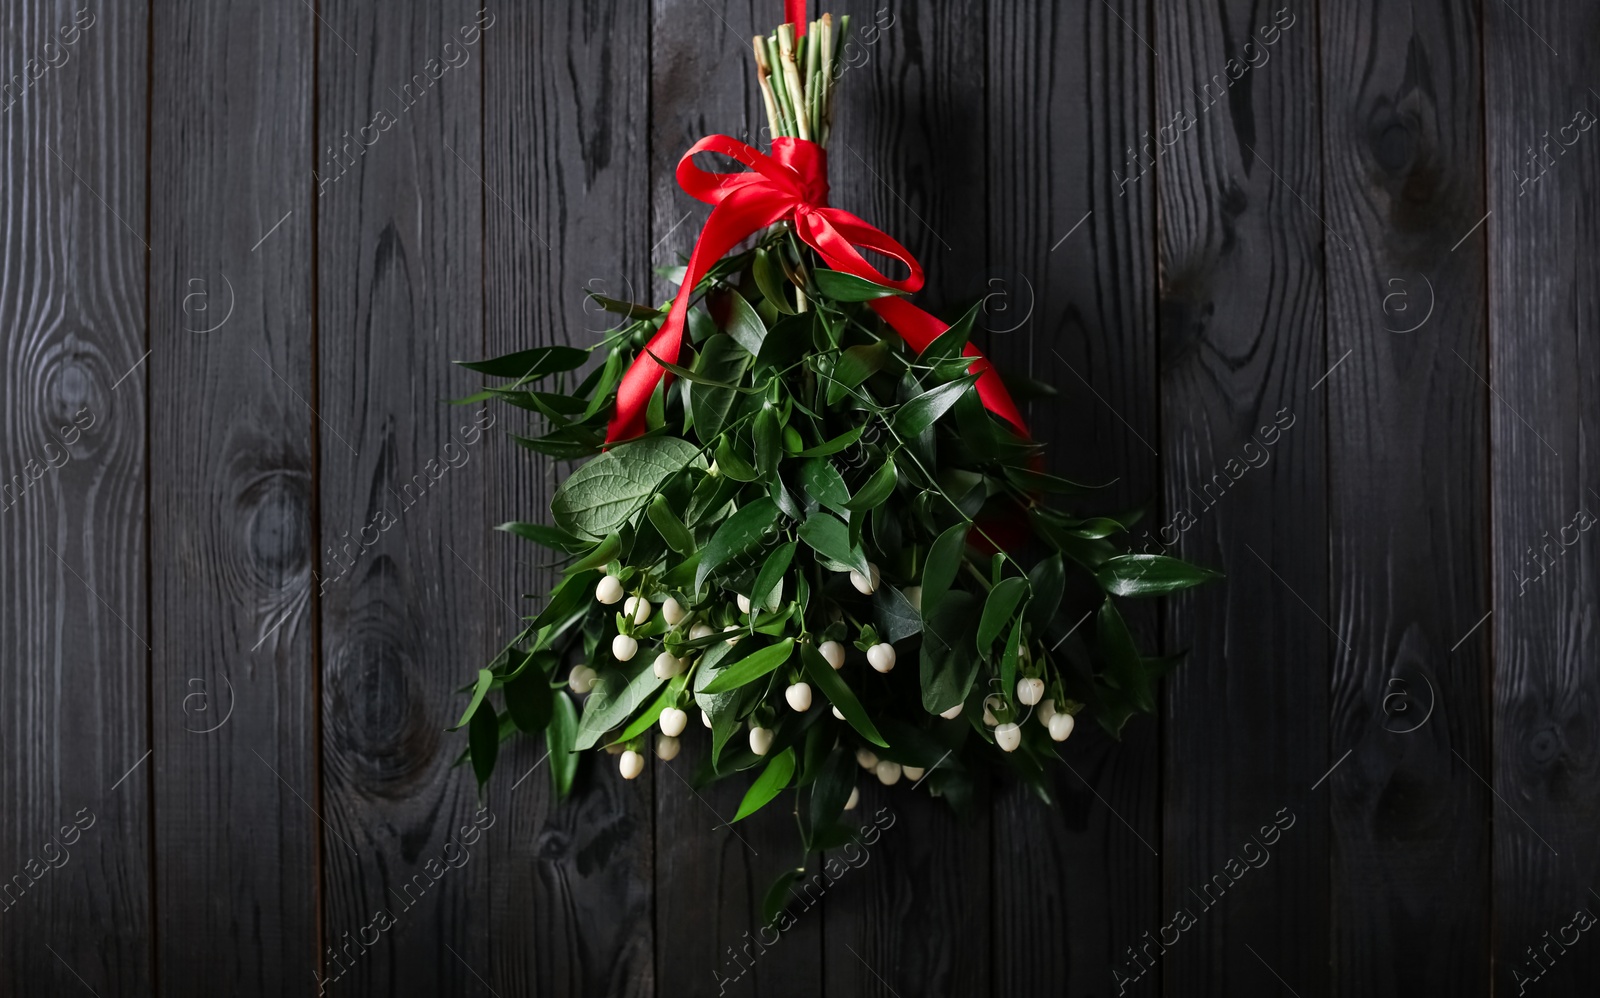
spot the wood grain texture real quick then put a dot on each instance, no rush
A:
(1068, 93)
(74, 625)
(703, 83)
(232, 492)
(404, 602)
(566, 210)
(1242, 343)
(1540, 73)
(906, 154)
(1408, 491)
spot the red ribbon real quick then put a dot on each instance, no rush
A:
(790, 185)
(794, 11)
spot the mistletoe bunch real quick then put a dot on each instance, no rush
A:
(813, 546)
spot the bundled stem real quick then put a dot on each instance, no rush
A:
(797, 77)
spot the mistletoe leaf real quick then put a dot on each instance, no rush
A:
(833, 686)
(835, 445)
(485, 680)
(1150, 575)
(615, 696)
(767, 592)
(843, 287)
(831, 792)
(777, 896)
(559, 738)
(744, 325)
(483, 741)
(528, 700)
(944, 560)
(738, 534)
(600, 496)
(750, 668)
(998, 608)
(854, 366)
(1124, 671)
(949, 665)
(671, 528)
(823, 483)
(877, 489)
(829, 537)
(768, 785)
(553, 538)
(721, 360)
(527, 365)
(924, 410)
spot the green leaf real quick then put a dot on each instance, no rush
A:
(768, 785)
(616, 695)
(877, 489)
(721, 360)
(550, 537)
(894, 615)
(949, 662)
(1095, 528)
(829, 537)
(732, 464)
(1123, 668)
(483, 740)
(1048, 580)
(854, 366)
(998, 608)
(835, 445)
(823, 483)
(651, 714)
(831, 792)
(769, 441)
(952, 341)
(671, 528)
(601, 495)
(923, 411)
(1008, 658)
(1038, 481)
(739, 533)
(690, 375)
(777, 897)
(559, 738)
(1150, 575)
(751, 667)
(744, 325)
(767, 592)
(944, 561)
(769, 278)
(833, 686)
(485, 680)
(528, 700)
(843, 287)
(525, 365)
(630, 309)
(599, 555)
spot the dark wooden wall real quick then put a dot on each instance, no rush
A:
(225, 342)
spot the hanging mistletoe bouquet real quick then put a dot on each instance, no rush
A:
(801, 519)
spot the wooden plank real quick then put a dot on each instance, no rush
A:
(1069, 92)
(1241, 252)
(404, 603)
(232, 490)
(1542, 241)
(702, 83)
(74, 623)
(907, 154)
(565, 101)
(1408, 475)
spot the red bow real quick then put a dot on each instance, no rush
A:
(790, 185)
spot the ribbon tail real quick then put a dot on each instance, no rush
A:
(920, 328)
(795, 14)
(733, 220)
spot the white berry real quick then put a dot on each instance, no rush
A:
(1030, 691)
(952, 713)
(1008, 736)
(609, 590)
(988, 714)
(672, 611)
(867, 584)
(666, 667)
(1061, 727)
(624, 647)
(631, 764)
(732, 627)
(867, 758)
(913, 773)
(744, 603)
(1047, 710)
(833, 653)
(705, 719)
(799, 696)
(888, 773)
(673, 721)
(699, 631)
(881, 657)
(581, 679)
(667, 749)
(837, 714)
(855, 798)
(760, 740)
(637, 609)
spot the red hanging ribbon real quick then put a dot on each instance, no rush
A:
(790, 185)
(794, 11)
